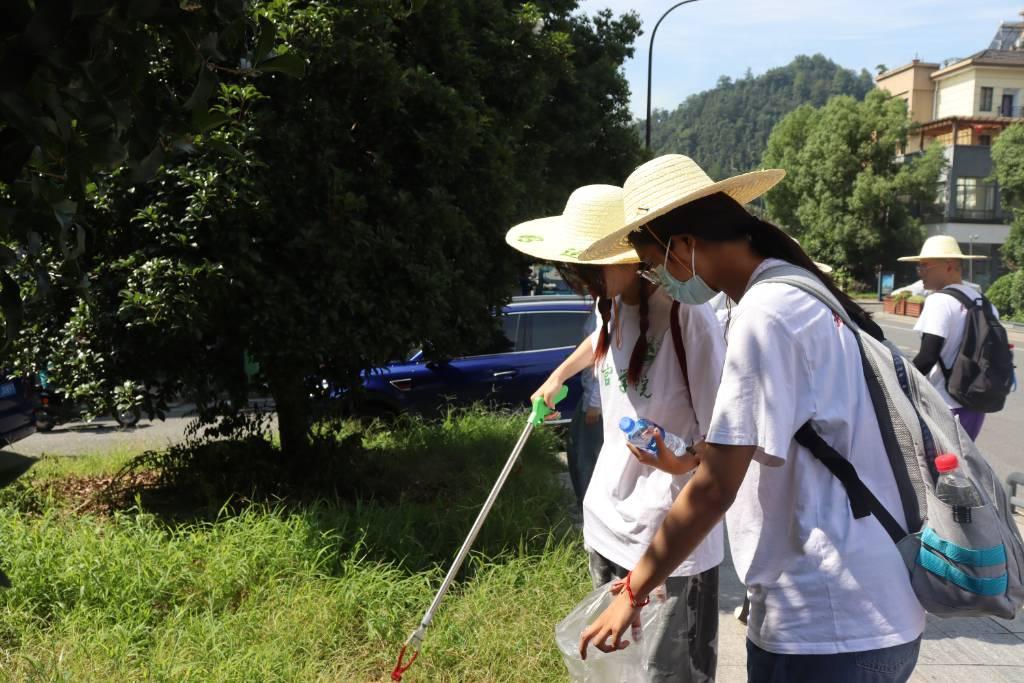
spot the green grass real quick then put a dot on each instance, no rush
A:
(320, 592)
(93, 465)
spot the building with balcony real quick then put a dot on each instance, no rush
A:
(964, 104)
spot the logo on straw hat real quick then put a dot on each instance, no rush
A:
(591, 212)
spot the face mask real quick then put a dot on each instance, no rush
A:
(694, 291)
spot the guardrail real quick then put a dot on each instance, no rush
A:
(1013, 480)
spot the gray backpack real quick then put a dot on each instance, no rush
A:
(972, 569)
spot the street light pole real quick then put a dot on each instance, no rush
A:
(650, 62)
(970, 241)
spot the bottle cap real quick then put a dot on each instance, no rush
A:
(627, 424)
(947, 462)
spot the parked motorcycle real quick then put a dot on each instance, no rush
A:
(55, 409)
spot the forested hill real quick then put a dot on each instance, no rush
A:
(725, 129)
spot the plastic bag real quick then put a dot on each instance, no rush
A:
(612, 667)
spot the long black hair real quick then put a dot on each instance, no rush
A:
(586, 279)
(720, 218)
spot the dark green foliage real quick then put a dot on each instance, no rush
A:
(92, 85)
(1007, 295)
(331, 223)
(725, 129)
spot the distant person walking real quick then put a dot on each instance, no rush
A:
(944, 320)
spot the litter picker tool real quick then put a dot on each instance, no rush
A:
(412, 643)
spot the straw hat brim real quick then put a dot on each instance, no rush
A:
(554, 239)
(743, 188)
(940, 257)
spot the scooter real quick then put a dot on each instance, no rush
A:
(55, 409)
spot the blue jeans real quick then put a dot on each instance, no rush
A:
(583, 447)
(887, 665)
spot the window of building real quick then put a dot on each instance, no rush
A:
(985, 140)
(975, 198)
(986, 99)
(1006, 108)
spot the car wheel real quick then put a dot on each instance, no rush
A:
(44, 421)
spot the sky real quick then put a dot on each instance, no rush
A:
(701, 41)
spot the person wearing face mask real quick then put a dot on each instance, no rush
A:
(641, 371)
(830, 595)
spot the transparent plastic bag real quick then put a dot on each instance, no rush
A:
(620, 666)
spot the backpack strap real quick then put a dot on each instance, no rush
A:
(677, 342)
(862, 501)
(967, 301)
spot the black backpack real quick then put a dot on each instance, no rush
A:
(982, 374)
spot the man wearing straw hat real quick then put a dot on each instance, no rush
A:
(943, 319)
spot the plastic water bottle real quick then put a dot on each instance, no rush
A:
(954, 489)
(640, 433)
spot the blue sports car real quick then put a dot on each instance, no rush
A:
(539, 333)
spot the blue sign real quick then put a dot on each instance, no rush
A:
(886, 283)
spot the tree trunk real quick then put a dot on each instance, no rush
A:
(293, 410)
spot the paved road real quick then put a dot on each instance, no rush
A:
(1002, 436)
(105, 436)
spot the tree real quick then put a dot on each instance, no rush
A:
(846, 195)
(358, 212)
(84, 88)
(1008, 171)
(725, 129)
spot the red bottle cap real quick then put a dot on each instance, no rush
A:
(947, 462)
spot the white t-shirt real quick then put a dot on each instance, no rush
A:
(626, 500)
(946, 317)
(819, 581)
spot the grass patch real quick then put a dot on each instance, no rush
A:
(319, 591)
(93, 465)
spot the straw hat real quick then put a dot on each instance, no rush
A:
(592, 212)
(669, 182)
(941, 247)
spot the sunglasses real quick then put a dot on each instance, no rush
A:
(644, 271)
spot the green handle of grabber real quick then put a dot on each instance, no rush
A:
(541, 410)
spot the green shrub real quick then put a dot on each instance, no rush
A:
(1007, 294)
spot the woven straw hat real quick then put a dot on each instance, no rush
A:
(592, 212)
(668, 182)
(941, 247)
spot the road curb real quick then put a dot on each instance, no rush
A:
(1015, 333)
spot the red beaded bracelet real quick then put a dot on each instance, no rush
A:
(632, 598)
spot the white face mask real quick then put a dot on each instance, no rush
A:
(694, 291)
